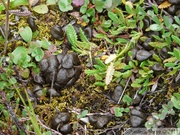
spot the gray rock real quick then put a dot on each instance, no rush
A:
(142, 55)
(117, 93)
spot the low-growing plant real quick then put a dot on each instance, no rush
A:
(118, 112)
(156, 119)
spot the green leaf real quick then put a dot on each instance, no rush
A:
(44, 43)
(83, 114)
(167, 21)
(90, 12)
(158, 44)
(18, 53)
(99, 5)
(156, 27)
(38, 53)
(26, 33)
(113, 17)
(84, 7)
(176, 53)
(98, 77)
(176, 102)
(65, 5)
(177, 95)
(2, 85)
(155, 8)
(177, 19)
(82, 35)
(100, 63)
(127, 99)
(129, 7)
(12, 80)
(118, 111)
(4, 76)
(176, 39)
(106, 23)
(50, 2)
(71, 34)
(91, 72)
(41, 9)
(1, 7)
(178, 125)
(16, 3)
(99, 84)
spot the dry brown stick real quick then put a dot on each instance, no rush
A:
(48, 128)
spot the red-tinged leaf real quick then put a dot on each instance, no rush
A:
(78, 3)
(52, 48)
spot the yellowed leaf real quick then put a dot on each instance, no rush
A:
(119, 66)
(110, 58)
(103, 57)
(165, 4)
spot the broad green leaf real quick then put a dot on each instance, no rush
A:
(177, 19)
(177, 95)
(38, 53)
(65, 5)
(41, 9)
(114, 4)
(155, 8)
(85, 18)
(12, 80)
(129, 7)
(18, 52)
(26, 33)
(1, 7)
(167, 21)
(176, 39)
(2, 84)
(99, 84)
(127, 99)
(99, 62)
(118, 111)
(158, 44)
(99, 68)
(16, 3)
(91, 72)
(176, 102)
(82, 114)
(98, 77)
(44, 43)
(166, 34)
(4, 76)
(156, 27)
(50, 2)
(99, 5)
(106, 23)
(113, 17)
(84, 7)
(170, 64)
(177, 53)
(90, 12)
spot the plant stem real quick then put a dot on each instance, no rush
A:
(6, 24)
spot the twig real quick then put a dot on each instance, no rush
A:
(44, 126)
(124, 90)
(20, 13)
